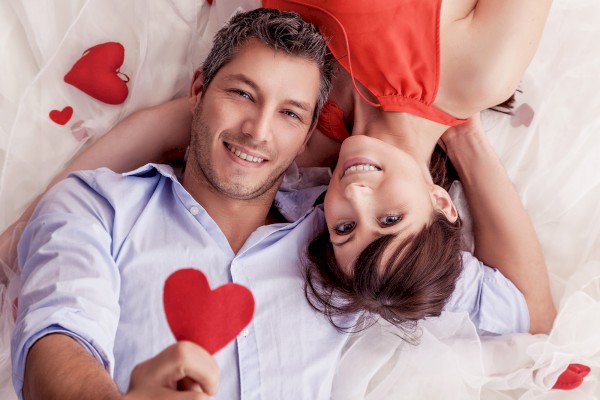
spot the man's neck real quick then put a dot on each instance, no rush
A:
(236, 218)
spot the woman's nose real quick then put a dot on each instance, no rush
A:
(357, 191)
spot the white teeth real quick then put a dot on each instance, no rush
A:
(362, 167)
(243, 155)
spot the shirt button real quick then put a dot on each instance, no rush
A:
(245, 332)
(194, 210)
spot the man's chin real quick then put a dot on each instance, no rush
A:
(244, 191)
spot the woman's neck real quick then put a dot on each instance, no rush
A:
(415, 135)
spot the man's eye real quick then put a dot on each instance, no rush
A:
(389, 220)
(345, 228)
(291, 114)
(241, 93)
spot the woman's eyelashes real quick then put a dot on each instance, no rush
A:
(386, 221)
(389, 220)
(344, 228)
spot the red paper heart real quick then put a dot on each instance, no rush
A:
(210, 318)
(63, 116)
(572, 377)
(96, 73)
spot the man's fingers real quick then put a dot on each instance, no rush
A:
(183, 361)
(196, 364)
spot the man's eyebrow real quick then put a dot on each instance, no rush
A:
(300, 104)
(243, 79)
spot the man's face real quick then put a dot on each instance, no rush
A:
(252, 121)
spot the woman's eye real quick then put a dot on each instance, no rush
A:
(345, 228)
(389, 220)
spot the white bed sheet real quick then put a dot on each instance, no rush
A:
(554, 163)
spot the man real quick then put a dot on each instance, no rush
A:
(100, 246)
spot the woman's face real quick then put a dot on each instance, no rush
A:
(376, 190)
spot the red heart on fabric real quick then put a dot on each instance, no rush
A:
(209, 318)
(61, 117)
(96, 73)
(209, 2)
(572, 377)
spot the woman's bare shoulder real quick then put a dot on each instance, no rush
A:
(484, 54)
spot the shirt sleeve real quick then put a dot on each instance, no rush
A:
(69, 280)
(493, 302)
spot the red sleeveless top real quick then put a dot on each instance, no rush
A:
(392, 47)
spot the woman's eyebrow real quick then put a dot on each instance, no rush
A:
(349, 239)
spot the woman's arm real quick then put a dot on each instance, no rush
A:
(504, 235)
(485, 54)
(155, 134)
(149, 135)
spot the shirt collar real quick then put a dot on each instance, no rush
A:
(163, 169)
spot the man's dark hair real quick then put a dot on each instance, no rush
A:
(279, 30)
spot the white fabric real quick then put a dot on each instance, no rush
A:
(554, 163)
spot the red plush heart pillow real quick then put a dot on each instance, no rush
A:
(97, 74)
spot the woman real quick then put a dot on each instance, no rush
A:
(464, 62)
(415, 69)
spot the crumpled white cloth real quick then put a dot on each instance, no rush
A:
(554, 163)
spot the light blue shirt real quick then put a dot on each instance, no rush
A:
(100, 245)
(98, 250)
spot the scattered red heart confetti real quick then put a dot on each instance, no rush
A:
(209, 318)
(79, 132)
(63, 116)
(523, 115)
(572, 377)
(97, 74)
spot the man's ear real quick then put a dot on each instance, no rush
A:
(442, 202)
(195, 90)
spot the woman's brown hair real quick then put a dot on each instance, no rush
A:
(413, 283)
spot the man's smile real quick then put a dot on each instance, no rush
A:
(244, 156)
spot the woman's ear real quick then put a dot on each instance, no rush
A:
(195, 90)
(442, 202)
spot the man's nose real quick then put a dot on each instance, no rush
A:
(258, 126)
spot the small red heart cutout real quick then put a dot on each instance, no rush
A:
(572, 377)
(63, 116)
(209, 318)
(96, 73)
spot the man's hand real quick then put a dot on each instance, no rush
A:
(181, 371)
(58, 367)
